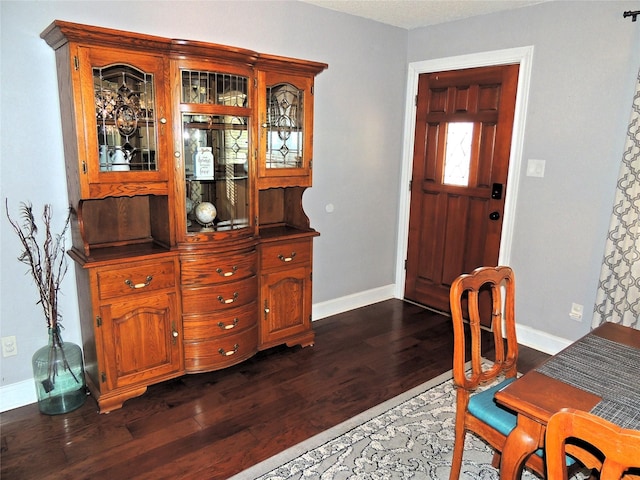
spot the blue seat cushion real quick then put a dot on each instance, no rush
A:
(483, 406)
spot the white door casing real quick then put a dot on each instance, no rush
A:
(522, 56)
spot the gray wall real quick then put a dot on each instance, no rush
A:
(358, 134)
(584, 68)
(585, 62)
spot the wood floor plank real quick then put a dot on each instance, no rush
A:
(213, 425)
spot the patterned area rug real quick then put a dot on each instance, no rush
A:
(409, 436)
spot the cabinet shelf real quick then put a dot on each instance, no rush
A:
(217, 179)
(216, 126)
(276, 232)
(108, 255)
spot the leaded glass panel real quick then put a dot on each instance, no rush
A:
(125, 115)
(214, 88)
(285, 132)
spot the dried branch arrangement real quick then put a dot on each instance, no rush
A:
(47, 263)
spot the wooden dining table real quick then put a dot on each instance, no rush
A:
(599, 373)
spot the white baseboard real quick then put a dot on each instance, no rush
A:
(23, 393)
(351, 302)
(540, 340)
(17, 395)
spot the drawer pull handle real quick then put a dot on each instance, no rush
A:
(227, 274)
(228, 300)
(229, 326)
(224, 353)
(287, 259)
(139, 285)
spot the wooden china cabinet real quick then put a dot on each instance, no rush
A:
(186, 165)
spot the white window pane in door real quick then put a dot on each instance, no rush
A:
(458, 153)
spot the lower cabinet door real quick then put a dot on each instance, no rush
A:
(286, 307)
(141, 340)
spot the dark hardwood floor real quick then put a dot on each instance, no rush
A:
(213, 425)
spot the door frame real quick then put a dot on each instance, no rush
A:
(522, 56)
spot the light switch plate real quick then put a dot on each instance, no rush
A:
(535, 168)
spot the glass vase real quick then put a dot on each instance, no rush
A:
(58, 372)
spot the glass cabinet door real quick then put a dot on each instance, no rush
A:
(125, 116)
(216, 172)
(284, 126)
(124, 146)
(286, 115)
(215, 150)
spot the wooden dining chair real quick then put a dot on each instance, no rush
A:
(487, 291)
(615, 450)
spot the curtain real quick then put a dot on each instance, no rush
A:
(618, 296)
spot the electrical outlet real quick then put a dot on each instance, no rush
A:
(9, 346)
(576, 312)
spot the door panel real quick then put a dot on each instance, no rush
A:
(455, 225)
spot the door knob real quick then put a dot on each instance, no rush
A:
(494, 215)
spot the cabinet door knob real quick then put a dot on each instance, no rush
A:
(163, 120)
(174, 333)
(176, 154)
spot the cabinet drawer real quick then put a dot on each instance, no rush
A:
(136, 279)
(285, 254)
(209, 269)
(218, 353)
(221, 324)
(214, 298)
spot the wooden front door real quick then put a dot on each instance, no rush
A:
(464, 123)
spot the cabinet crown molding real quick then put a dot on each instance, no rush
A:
(61, 32)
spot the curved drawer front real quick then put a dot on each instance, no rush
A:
(211, 269)
(216, 297)
(136, 279)
(285, 254)
(219, 353)
(216, 325)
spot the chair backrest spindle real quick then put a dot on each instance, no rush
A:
(484, 297)
(592, 437)
(498, 283)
